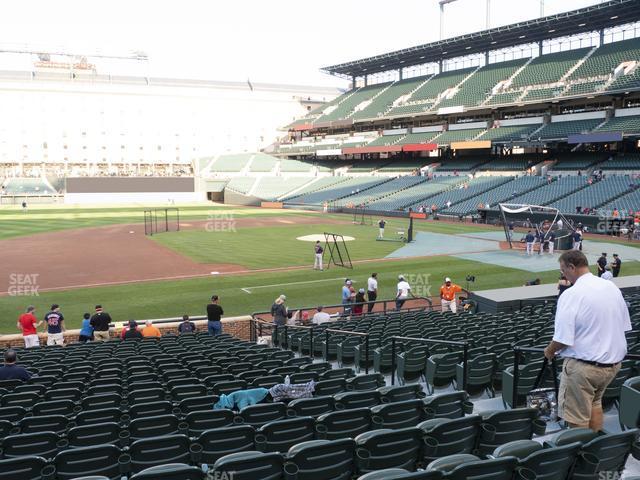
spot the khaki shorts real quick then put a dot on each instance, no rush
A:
(31, 341)
(55, 339)
(581, 389)
(101, 336)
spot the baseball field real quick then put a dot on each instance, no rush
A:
(78, 257)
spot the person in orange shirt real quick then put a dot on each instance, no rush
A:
(150, 331)
(448, 295)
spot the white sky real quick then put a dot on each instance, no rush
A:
(282, 41)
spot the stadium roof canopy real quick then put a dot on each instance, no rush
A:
(588, 19)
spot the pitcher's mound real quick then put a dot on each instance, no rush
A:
(319, 236)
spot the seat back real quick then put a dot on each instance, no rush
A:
(366, 398)
(151, 452)
(99, 416)
(321, 459)
(249, 466)
(312, 407)
(629, 411)
(343, 423)
(86, 461)
(398, 414)
(200, 421)
(495, 469)
(151, 409)
(27, 468)
(506, 426)
(385, 448)
(371, 381)
(45, 423)
(96, 434)
(155, 426)
(41, 444)
(611, 450)
(257, 415)
(218, 442)
(447, 405)
(172, 471)
(400, 393)
(281, 435)
(444, 437)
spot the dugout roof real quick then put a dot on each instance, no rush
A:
(588, 19)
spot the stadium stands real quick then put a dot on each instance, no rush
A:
(231, 162)
(476, 89)
(272, 188)
(606, 58)
(336, 192)
(381, 191)
(319, 184)
(561, 130)
(415, 195)
(349, 101)
(382, 102)
(462, 164)
(262, 163)
(580, 161)
(458, 136)
(548, 68)
(560, 187)
(595, 195)
(626, 124)
(292, 166)
(241, 184)
(509, 134)
(385, 140)
(621, 161)
(423, 137)
(30, 186)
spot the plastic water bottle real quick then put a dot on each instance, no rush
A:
(287, 380)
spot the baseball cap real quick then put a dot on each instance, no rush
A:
(361, 290)
(283, 297)
(447, 279)
(400, 277)
(348, 282)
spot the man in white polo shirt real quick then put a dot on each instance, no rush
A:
(404, 291)
(591, 319)
(372, 290)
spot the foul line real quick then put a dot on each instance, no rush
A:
(248, 289)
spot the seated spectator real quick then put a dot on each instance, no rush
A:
(132, 332)
(320, 317)
(11, 371)
(186, 326)
(150, 331)
(86, 331)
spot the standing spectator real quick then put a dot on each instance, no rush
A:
(132, 332)
(602, 263)
(279, 311)
(372, 291)
(317, 264)
(616, 265)
(346, 296)
(563, 284)
(552, 240)
(214, 316)
(591, 319)
(28, 323)
(358, 306)
(448, 295)
(86, 330)
(530, 240)
(321, 316)
(577, 240)
(186, 326)
(560, 224)
(404, 291)
(11, 371)
(607, 275)
(100, 322)
(55, 326)
(150, 331)
(381, 225)
(510, 230)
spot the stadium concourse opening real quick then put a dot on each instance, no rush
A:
(169, 220)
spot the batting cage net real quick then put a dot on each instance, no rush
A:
(546, 222)
(160, 220)
(336, 248)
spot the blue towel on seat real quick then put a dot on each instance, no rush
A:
(241, 398)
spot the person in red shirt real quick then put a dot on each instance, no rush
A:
(28, 324)
(448, 295)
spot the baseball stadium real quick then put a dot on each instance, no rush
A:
(431, 272)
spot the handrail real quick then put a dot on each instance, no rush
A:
(465, 354)
(428, 307)
(516, 367)
(347, 332)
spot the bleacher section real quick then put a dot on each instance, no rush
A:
(625, 203)
(607, 57)
(385, 140)
(403, 166)
(475, 90)
(241, 184)
(292, 166)
(116, 409)
(577, 161)
(231, 162)
(621, 161)
(496, 195)
(424, 137)
(367, 166)
(319, 184)
(560, 187)
(336, 192)
(458, 136)
(461, 164)
(417, 193)
(350, 101)
(27, 186)
(466, 188)
(381, 191)
(385, 100)
(548, 68)
(561, 130)
(272, 188)
(627, 125)
(512, 163)
(262, 163)
(509, 134)
(595, 195)
(537, 94)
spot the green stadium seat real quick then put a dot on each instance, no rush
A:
(156, 451)
(371, 381)
(280, 435)
(172, 471)
(447, 405)
(444, 437)
(549, 463)
(99, 460)
(629, 411)
(441, 369)
(343, 424)
(312, 407)
(386, 448)
(97, 434)
(260, 414)
(40, 444)
(155, 426)
(43, 423)
(401, 474)
(27, 468)
(469, 467)
(321, 459)
(218, 442)
(502, 427)
(250, 465)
